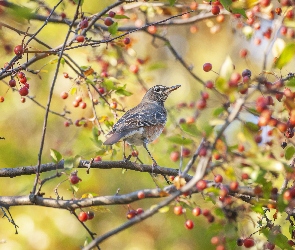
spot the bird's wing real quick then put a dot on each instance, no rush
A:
(145, 114)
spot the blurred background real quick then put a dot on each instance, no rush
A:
(21, 124)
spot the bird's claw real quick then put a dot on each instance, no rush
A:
(126, 159)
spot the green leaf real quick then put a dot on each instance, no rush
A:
(179, 140)
(226, 3)
(171, 2)
(62, 61)
(55, 155)
(190, 129)
(281, 241)
(19, 12)
(239, 11)
(252, 126)
(258, 209)
(289, 152)
(157, 65)
(218, 111)
(286, 56)
(290, 83)
(113, 28)
(122, 91)
(84, 67)
(72, 162)
(108, 84)
(221, 84)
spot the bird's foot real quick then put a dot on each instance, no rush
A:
(126, 159)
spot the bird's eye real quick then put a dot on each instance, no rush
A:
(157, 89)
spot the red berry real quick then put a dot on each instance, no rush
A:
(174, 156)
(66, 75)
(291, 243)
(63, 15)
(248, 243)
(67, 123)
(139, 211)
(83, 105)
(78, 123)
(140, 195)
(209, 85)
(265, 3)
(80, 39)
(205, 95)
(197, 211)
(23, 100)
(245, 176)
(113, 105)
(234, 186)
(18, 50)
(74, 179)
(193, 5)
(24, 91)
(186, 152)
(189, 224)
(23, 80)
(112, 14)
(215, 10)
(12, 83)
(97, 158)
(201, 104)
(152, 29)
(134, 68)
(108, 21)
(207, 67)
(83, 24)
(82, 216)
(21, 74)
(1, 99)
(206, 212)
(131, 214)
(203, 151)
(243, 53)
(201, 185)
(218, 178)
(214, 240)
(101, 90)
(90, 215)
(241, 148)
(64, 95)
(134, 153)
(178, 210)
(75, 104)
(126, 40)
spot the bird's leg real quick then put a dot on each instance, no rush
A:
(154, 161)
(124, 155)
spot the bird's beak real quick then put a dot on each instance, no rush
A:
(170, 89)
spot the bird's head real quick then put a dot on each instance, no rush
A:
(159, 93)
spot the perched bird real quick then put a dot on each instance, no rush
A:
(145, 122)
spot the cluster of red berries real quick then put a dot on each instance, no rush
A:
(132, 213)
(83, 216)
(175, 155)
(24, 90)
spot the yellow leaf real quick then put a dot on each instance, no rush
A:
(103, 118)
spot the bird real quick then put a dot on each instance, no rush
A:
(144, 123)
